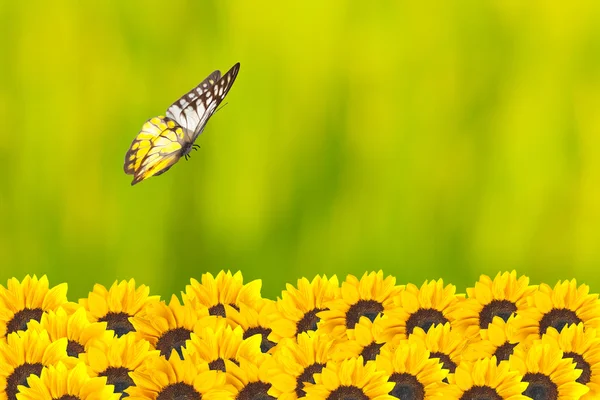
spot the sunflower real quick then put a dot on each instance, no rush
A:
(60, 382)
(368, 297)
(175, 378)
(251, 378)
(499, 339)
(295, 360)
(422, 307)
(168, 327)
(298, 307)
(410, 367)
(254, 319)
(350, 379)
(565, 304)
(550, 376)
(486, 379)
(366, 339)
(116, 357)
(25, 353)
(214, 345)
(117, 305)
(503, 296)
(78, 330)
(225, 289)
(21, 302)
(443, 343)
(583, 347)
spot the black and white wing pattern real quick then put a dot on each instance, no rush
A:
(175, 109)
(193, 110)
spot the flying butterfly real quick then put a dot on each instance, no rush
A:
(163, 140)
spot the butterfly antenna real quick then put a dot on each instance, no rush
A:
(222, 107)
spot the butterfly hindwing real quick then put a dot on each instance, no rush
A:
(155, 149)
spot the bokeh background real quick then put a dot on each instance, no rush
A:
(427, 139)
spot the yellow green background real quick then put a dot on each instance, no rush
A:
(427, 139)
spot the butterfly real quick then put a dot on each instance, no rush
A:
(163, 140)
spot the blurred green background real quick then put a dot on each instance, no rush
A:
(434, 139)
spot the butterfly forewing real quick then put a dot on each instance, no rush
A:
(155, 149)
(207, 103)
(180, 112)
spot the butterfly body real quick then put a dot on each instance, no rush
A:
(163, 140)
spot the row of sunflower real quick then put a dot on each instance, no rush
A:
(365, 338)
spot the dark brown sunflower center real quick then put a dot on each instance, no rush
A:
(496, 308)
(424, 318)
(540, 387)
(217, 365)
(504, 351)
(255, 391)
(347, 393)
(584, 366)
(481, 393)
(74, 348)
(407, 387)
(173, 340)
(371, 351)
(19, 320)
(118, 322)
(558, 318)
(307, 376)
(266, 344)
(444, 359)
(309, 321)
(364, 308)
(179, 391)
(68, 397)
(219, 310)
(19, 377)
(119, 377)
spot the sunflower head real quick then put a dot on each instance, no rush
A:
(21, 302)
(76, 327)
(368, 297)
(296, 360)
(499, 339)
(215, 293)
(215, 344)
(583, 347)
(168, 327)
(431, 304)
(298, 307)
(117, 357)
(251, 378)
(25, 353)
(352, 379)
(365, 339)
(501, 297)
(549, 375)
(255, 319)
(61, 382)
(485, 379)
(160, 378)
(117, 305)
(411, 368)
(560, 306)
(443, 343)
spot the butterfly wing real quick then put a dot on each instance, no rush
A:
(155, 149)
(194, 115)
(179, 111)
